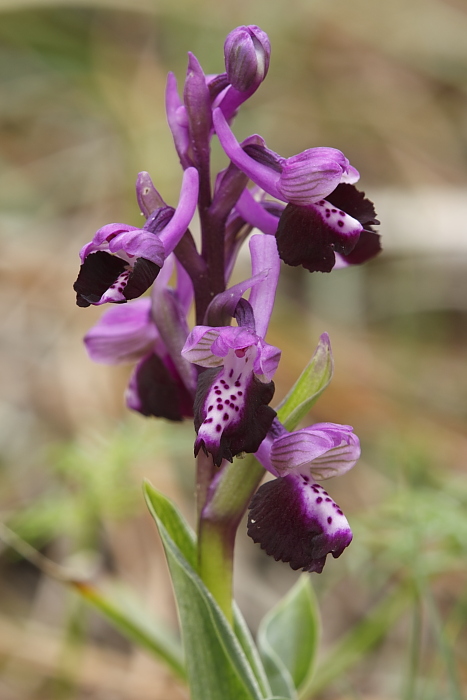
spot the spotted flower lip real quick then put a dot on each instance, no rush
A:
(298, 522)
(302, 179)
(232, 414)
(292, 517)
(336, 230)
(121, 262)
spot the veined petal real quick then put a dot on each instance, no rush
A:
(323, 450)
(197, 348)
(313, 174)
(208, 346)
(296, 521)
(124, 333)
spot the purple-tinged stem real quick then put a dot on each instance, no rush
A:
(197, 269)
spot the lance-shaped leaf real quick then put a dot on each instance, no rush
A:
(288, 638)
(309, 386)
(117, 606)
(125, 614)
(217, 666)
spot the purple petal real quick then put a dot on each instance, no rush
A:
(155, 389)
(124, 333)
(266, 360)
(368, 246)
(323, 451)
(149, 199)
(224, 304)
(170, 319)
(231, 410)
(184, 212)
(173, 107)
(246, 51)
(295, 521)
(102, 238)
(138, 244)
(197, 102)
(199, 344)
(184, 289)
(263, 175)
(254, 213)
(207, 347)
(312, 175)
(311, 235)
(264, 256)
(302, 179)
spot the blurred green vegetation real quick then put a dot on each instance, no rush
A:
(82, 111)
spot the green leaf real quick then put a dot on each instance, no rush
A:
(121, 611)
(250, 649)
(288, 637)
(124, 614)
(361, 639)
(279, 678)
(217, 666)
(185, 539)
(309, 386)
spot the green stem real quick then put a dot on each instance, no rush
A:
(226, 503)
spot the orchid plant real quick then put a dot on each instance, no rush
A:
(306, 211)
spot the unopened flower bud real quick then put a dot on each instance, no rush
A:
(246, 51)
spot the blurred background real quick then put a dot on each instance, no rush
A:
(82, 112)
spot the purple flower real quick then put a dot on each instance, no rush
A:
(325, 214)
(334, 232)
(231, 407)
(121, 262)
(292, 517)
(302, 179)
(162, 383)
